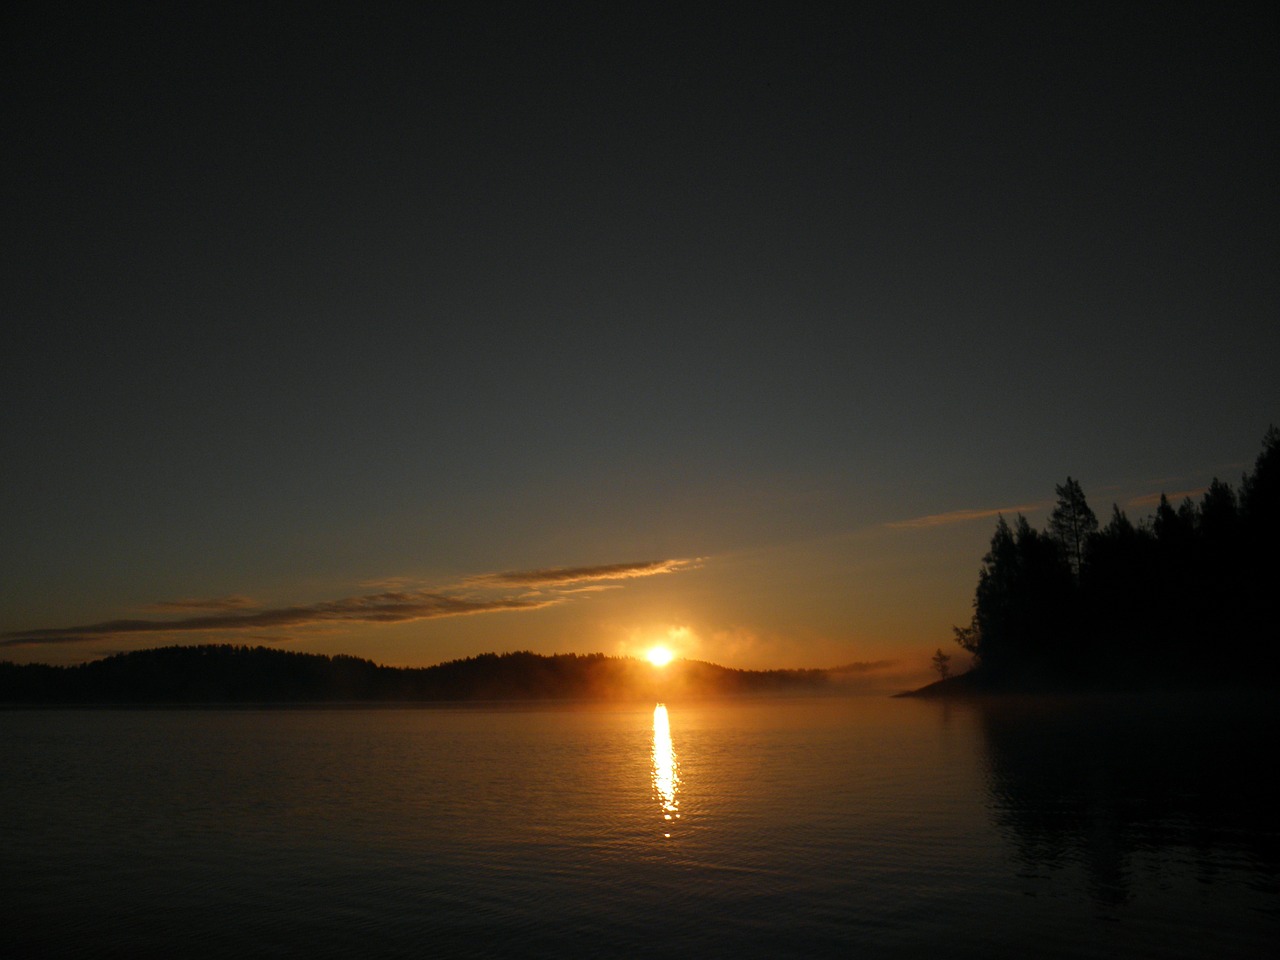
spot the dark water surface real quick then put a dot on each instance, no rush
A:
(1101, 828)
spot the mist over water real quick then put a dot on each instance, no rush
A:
(756, 828)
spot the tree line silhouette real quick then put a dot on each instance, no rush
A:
(241, 674)
(1188, 596)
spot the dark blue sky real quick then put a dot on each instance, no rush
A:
(306, 301)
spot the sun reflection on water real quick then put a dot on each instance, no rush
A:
(666, 772)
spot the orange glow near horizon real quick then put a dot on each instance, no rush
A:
(660, 656)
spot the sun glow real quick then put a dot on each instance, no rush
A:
(659, 656)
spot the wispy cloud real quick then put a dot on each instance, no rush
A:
(196, 603)
(552, 586)
(32, 637)
(555, 576)
(964, 516)
(373, 608)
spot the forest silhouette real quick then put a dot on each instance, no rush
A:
(1187, 597)
(241, 674)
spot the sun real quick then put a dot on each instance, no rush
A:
(659, 656)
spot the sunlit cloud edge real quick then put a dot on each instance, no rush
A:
(554, 576)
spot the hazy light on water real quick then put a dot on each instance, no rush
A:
(666, 774)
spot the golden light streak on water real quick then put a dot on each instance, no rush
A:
(666, 772)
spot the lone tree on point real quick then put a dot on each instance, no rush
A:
(942, 663)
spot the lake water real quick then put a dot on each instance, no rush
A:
(816, 827)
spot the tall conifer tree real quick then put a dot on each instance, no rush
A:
(1072, 523)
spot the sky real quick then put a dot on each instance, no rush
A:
(417, 333)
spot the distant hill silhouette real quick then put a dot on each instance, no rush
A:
(239, 674)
